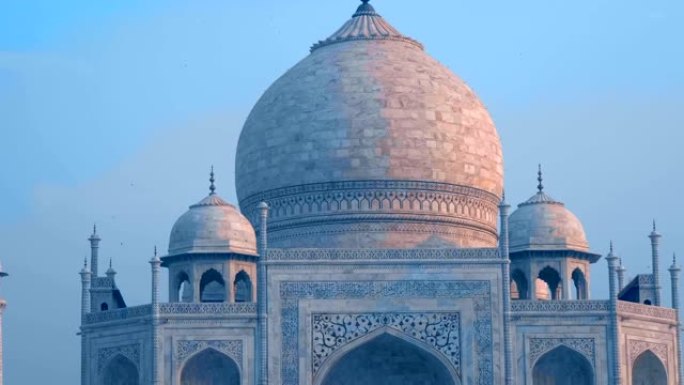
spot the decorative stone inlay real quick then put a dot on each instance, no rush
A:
(637, 347)
(376, 197)
(118, 314)
(291, 292)
(130, 351)
(441, 330)
(102, 283)
(379, 254)
(207, 308)
(186, 348)
(647, 310)
(559, 306)
(540, 346)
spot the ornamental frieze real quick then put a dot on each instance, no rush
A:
(440, 330)
(541, 346)
(637, 347)
(186, 348)
(130, 351)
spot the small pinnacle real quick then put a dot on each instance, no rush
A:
(94, 229)
(85, 262)
(611, 247)
(674, 258)
(212, 187)
(155, 250)
(654, 226)
(365, 1)
(540, 186)
(110, 263)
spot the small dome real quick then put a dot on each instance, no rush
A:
(212, 226)
(542, 223)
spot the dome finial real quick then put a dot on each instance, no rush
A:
(540, 178)
(212, 187)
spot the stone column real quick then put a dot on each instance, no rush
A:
(674, 277)
(614, 324)
(155, 263)
(506, 290)
(94, 251)
(621, 276)
(262, 299)
(85, 309)
(655, 243)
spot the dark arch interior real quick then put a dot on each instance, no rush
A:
(184, 288)
(388, 360)
(562, 366)
(242, 287)
(519, 283)
(210, 368)
(212, 287)
(648, 370)
(580, 282)
(120, 371)
(553, 280)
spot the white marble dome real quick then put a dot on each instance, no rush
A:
(212, 226)
(369, 113)
(542, 223)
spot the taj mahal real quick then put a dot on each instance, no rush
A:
(373, 245)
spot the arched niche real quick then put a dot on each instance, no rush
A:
(580, 282)
(552, 279)
(212, 287)
(210, 367)
(183, 287)
(519, 285)
(562, 366)
(648, 370)
(120, 371)
(387, 358)
(242, 287)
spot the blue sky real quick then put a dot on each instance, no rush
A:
(113, 111)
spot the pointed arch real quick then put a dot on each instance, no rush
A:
(562, 366)
(519, 285)
(210, 367)
(580, 282)
(648, 369)
(120, 370)
(212, 287)
(552, 279)
(386, 356)
(183, 287)
(242, 287)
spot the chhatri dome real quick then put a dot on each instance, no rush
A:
(370, 142)
(542, 223)
(212, 226)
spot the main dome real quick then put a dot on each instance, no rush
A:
(370, 142)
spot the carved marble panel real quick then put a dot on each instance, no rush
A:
(186, 348)
(540, 346)
(291, 292)
(130, 351)
(637, 347)
(440, 330)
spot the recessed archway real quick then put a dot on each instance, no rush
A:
(387, 359)
(120, 371)
(242, 287)
(519, 286)
(580, 281)
(210, 367)
(648, 370)
(212, 287)
(183, 287)
(552, 279)
(562, 366)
